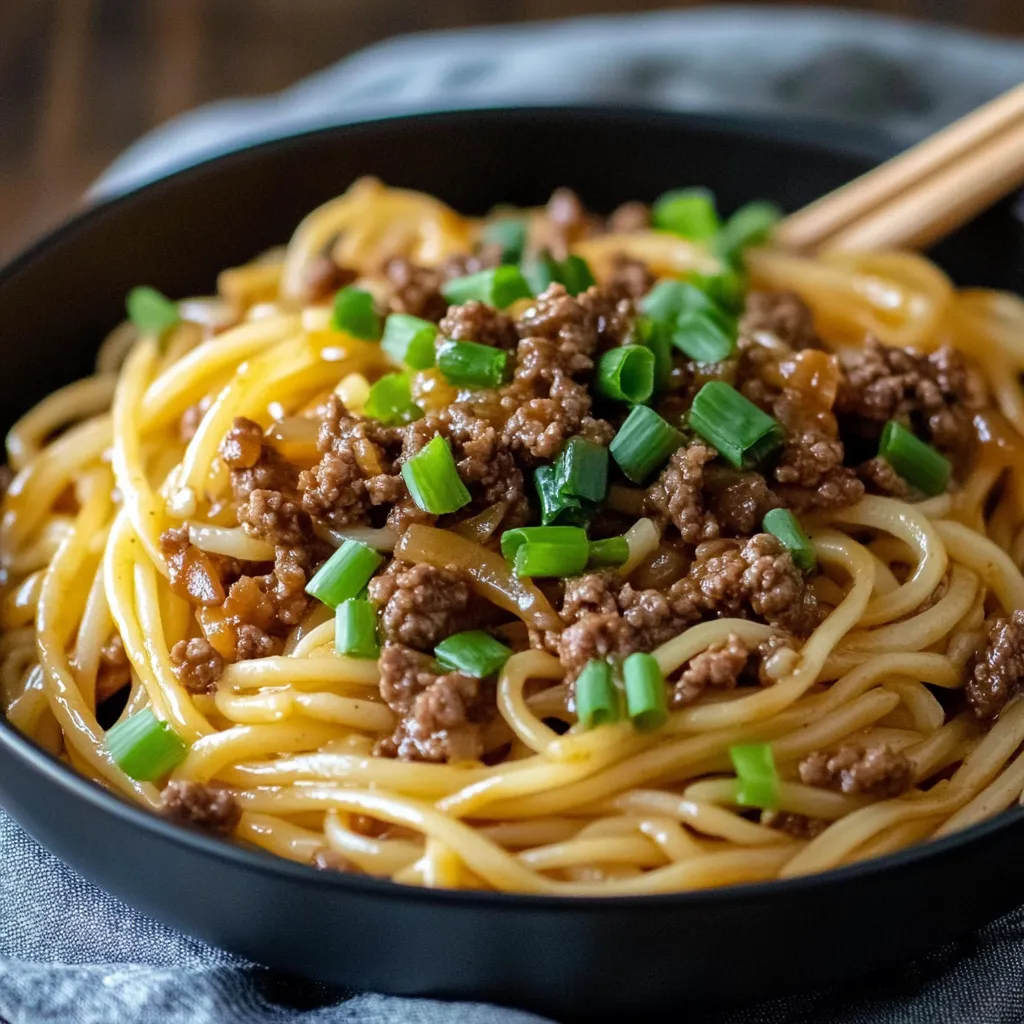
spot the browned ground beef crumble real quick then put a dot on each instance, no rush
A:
(874, 771)
(209, 807)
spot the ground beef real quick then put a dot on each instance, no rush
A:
(737, 501)
(781, 317)
(995, 672)
(872, 771)
(811, 474)
(880, 478)
(799, 826)
(719, 666)
(440, 716)
(323, 277)
(612, 306)
(197, 664)
(631, 216)
(286, 583)
(420, 604)
(193, 574)
(935, 394)
(476, 321)
(271, 516)
(415, 290)
(594, 592)
(252, 618)
(209, 807)
(192, 417)
(563, 319)
(596, 636)
(676, 495)
(243, 444)
(628, 278)
(115, 670)
(538, 428)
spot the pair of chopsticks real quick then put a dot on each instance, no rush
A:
(917, 197)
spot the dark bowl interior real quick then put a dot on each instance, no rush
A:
(561, 956)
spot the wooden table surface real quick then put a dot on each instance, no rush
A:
(80, 79)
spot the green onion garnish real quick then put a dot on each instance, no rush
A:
(783, 524)
(556, 507)
(390, 401)
(356, 314)
(470, 364)
(917, 462)
(582, 470)
(510, 234)
(749, 225)
(355, 628)
(433, 480)
(689, 212)
(539, 272)
(626, 374)
(144, 747)
(546, 550)
(669, 299)
(725, 289)
(610, 551)
(474, 653)
(409, 340)
(655, 336)
(646, 698)
(151, 311)
(644, 443)
(574, 273)
(344, 574)
(705, 337)
(742, 433)
(597, 700)
(498, 287)
(757, 782)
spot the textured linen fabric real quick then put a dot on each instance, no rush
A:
(71, 954)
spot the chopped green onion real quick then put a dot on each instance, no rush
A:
(689, 212)
(757, 782)
(144, 747)
(546, 550)
(655, 336)
(344, 574)
(574, 273)
(539, 272)
(781, 523)
(705, 337)
(582, 470)
(356, 314)
(390, 401)
(409, 340)
(473, 653)
(742, 433)
(646, 698)
(471, 364)
(610, 551)
(725, 289)
(643, 443)
(510, 234)
(433, 479)
(556, 507)
(670, 298)
(498, 287)
(597, 700)
(355, 628)
(626, 374)
(917, 462)
(749, 225)
(150, 310)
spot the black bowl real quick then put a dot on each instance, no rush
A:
(560, 956)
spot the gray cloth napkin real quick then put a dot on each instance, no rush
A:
(69, 953)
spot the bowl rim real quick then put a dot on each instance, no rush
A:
(814, 134)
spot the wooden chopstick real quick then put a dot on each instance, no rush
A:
(930, 178)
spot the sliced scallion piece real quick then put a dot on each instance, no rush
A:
(731, 423)
(705, 337)
(390, 401)
(408, 340)
(626, 374)
(917, 462)
(144, 747)
(646, 697)
(470, 364)
(611, 551)
(724, 289)
(597, 699)
(556, 507)
(689, 212)
(655, 336)
(539, 272)
(781, 523)
(473, 653)
(433, 479)
(151, 311)
(582, 470)
(355, 628)
(498, 287)
(355, 313)
(749, 225)
(643, 443)
(757, 781)
(344, 574)
(575, 274)
(546, 550)
(670, 298)
(509, 233)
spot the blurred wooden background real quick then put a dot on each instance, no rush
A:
(80, 79)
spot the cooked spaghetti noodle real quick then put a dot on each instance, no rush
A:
(167, 517)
